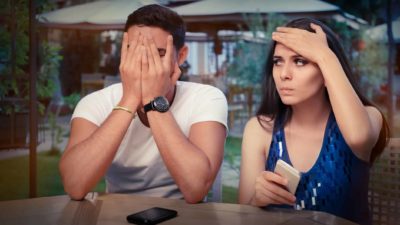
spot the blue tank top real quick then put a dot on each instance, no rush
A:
(338, 181)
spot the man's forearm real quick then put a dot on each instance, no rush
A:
(188, 163)
(86, 161)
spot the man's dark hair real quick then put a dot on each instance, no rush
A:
(162, 17)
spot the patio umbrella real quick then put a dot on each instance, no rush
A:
(98, 15)
(213, 15)
(199, 16)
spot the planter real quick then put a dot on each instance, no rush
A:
(14, 129)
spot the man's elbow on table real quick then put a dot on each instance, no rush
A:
(75, 194)
(196, 194)
(75, 191)
(192, 199)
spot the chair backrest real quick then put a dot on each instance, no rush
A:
(110, 80)
(240, 103)
(384, 186)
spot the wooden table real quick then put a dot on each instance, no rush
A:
(113, 209)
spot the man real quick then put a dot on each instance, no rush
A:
(150, 134)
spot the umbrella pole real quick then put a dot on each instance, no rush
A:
(33, 115)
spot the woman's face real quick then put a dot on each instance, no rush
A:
(297, 79)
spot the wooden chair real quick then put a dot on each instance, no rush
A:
(91, 82)
(384, 186)
(240, 100)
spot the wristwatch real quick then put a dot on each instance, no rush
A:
(159, 104)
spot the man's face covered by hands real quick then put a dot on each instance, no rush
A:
(158, 35)
(148, 56)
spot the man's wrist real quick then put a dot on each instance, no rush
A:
(159, 104)
(130, 104)
(148, 100)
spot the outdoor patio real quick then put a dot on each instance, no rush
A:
(226, 38)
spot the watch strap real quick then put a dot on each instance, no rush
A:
(148, 107)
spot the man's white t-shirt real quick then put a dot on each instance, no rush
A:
(138, 167)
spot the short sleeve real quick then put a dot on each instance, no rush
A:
(93, 108)
(209, 105)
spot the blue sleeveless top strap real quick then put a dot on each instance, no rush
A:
(338, 181)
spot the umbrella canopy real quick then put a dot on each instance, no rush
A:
(223, 7)
(228, 14)
(200, 16)
(98, 15)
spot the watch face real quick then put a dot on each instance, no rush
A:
(161, 104)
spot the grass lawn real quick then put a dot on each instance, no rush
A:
(232, 156)
(229, 194)
(14, 176)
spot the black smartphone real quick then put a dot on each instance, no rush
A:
(152, 216)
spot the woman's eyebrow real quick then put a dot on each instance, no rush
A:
(297, 56)
(292, 56)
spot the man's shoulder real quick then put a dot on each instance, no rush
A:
(117, 87)
(108, 92)
(198, 88)
(107, 96)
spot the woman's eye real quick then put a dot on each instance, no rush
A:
(300, 62)
(277, 62)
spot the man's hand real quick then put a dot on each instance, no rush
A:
(158, 72)
(131, 72)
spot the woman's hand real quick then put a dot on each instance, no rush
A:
(307, 44)
(270, 189)
(158, 73)
(130, 69)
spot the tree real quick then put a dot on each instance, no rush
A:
(369, 10)
(250, 54)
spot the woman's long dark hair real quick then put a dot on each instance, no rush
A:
(271, 104)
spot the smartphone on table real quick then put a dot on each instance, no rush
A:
(152, 216)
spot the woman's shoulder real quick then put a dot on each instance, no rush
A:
(262, 124)
(259, 126)
(257, 134)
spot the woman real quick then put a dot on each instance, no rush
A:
(314, 117)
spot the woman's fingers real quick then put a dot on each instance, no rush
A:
(316, 28)
(277, 199)
(274, 186)
(290, 30)
(303, 42)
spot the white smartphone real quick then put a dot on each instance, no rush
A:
(290, 173)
